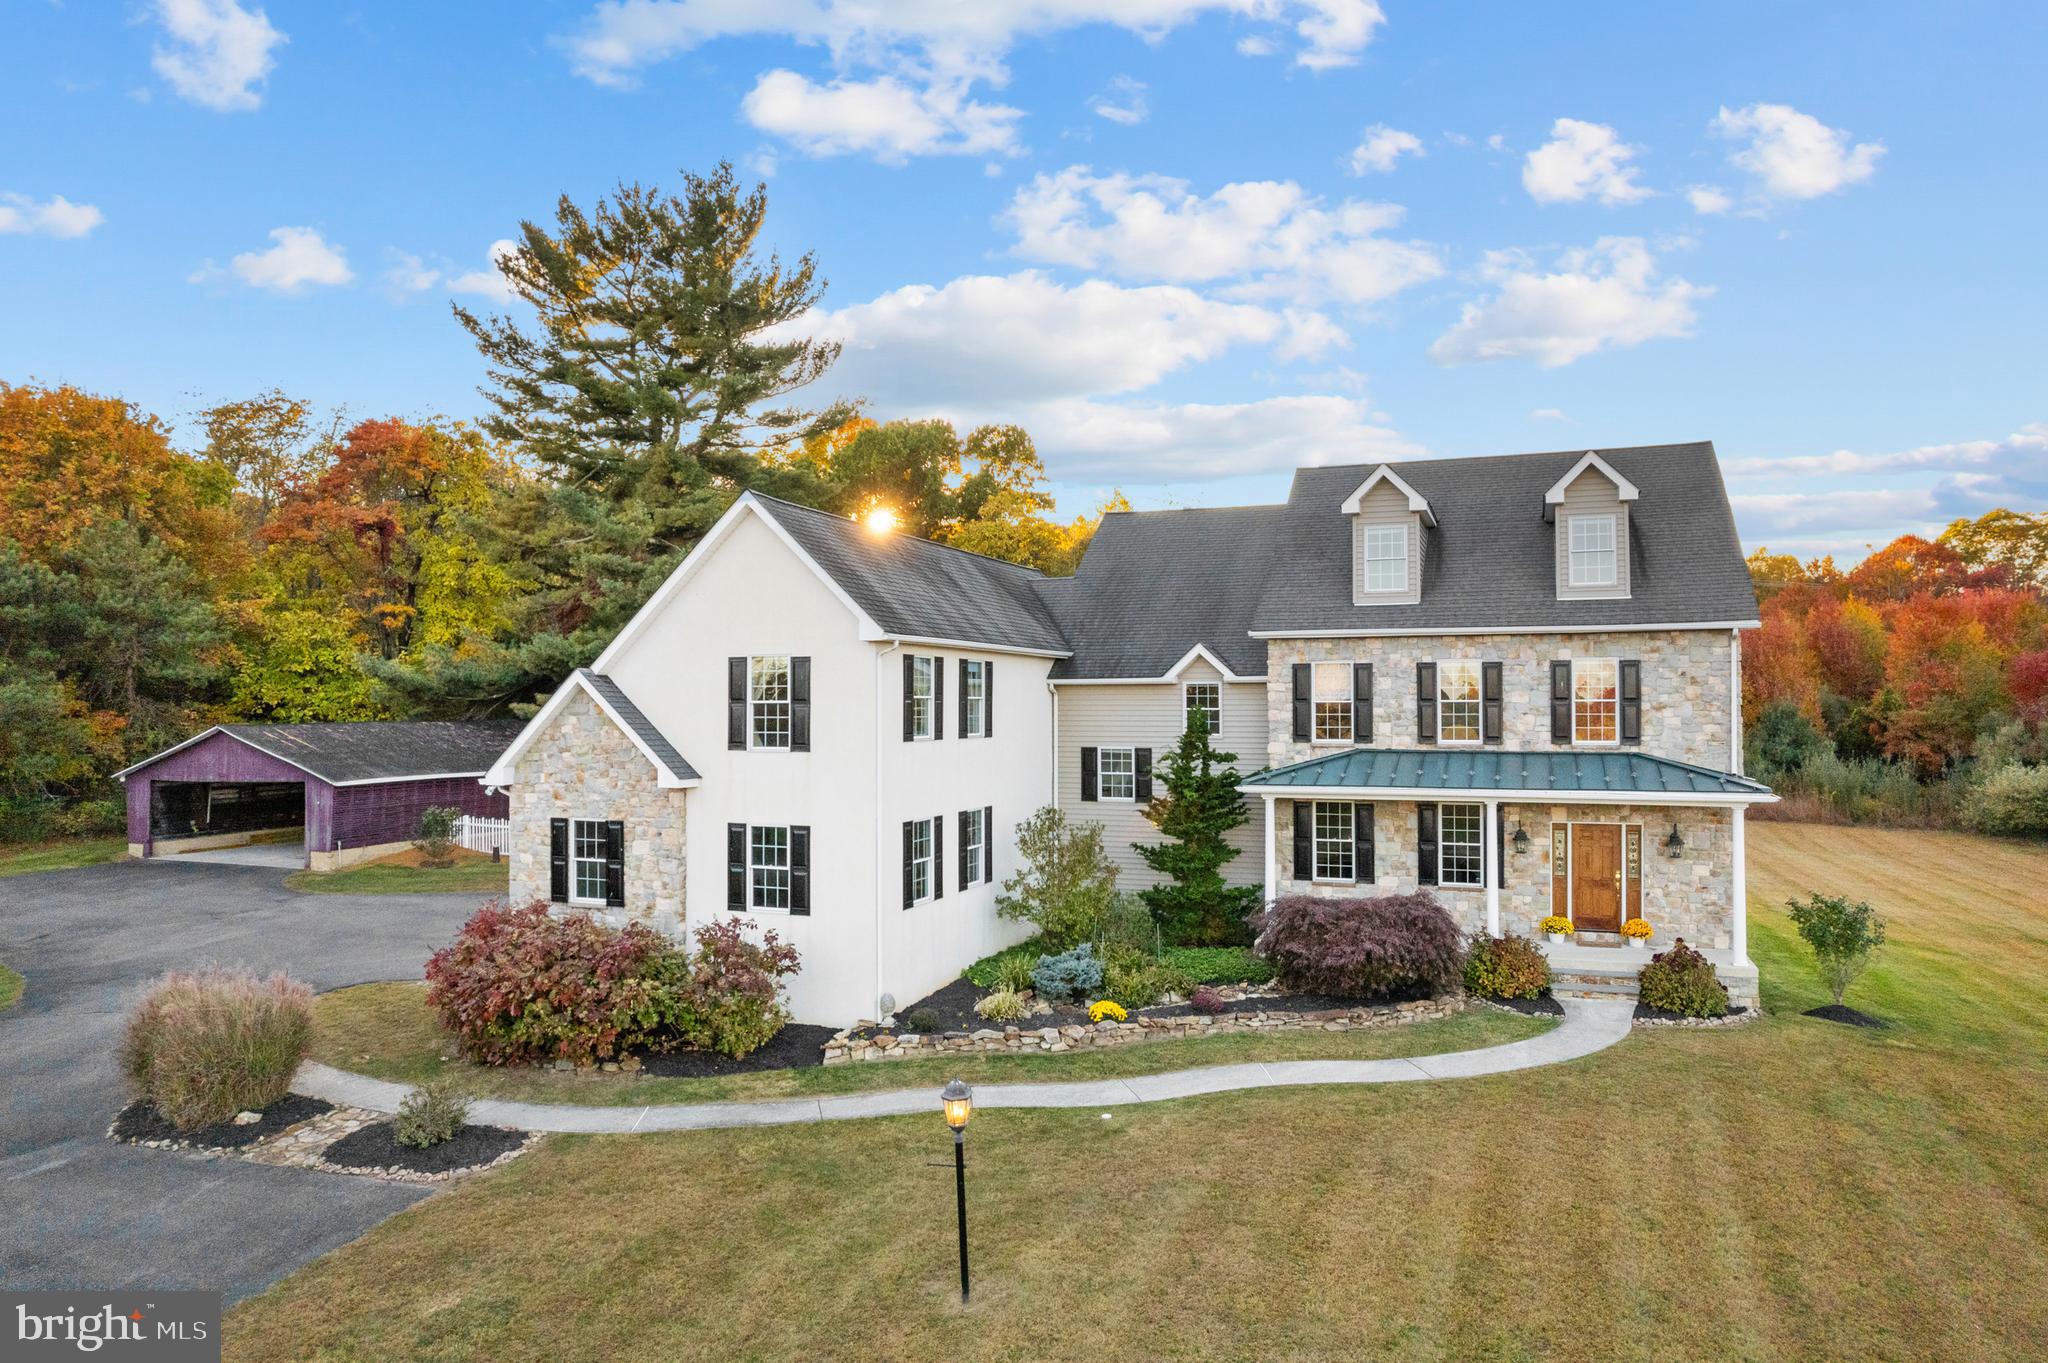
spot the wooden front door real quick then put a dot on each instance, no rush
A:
(1596, 877)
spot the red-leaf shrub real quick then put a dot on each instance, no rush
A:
(735, 988)
(1403, 944)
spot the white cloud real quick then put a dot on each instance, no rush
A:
(2024, 449)
(218, 52)
(1255, 46)
(884, 117)
(409, 274)
(1123, 102)
(1581, 159)
(1548, 414)
(1795, 155)
(1708, 199)
(1380, 147)
(1261, 239)
(55, 216)
(1121, 442)
(300, 258)
(1606, 296)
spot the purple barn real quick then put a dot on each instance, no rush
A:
(349, 792)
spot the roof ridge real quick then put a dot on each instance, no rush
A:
(913, 539)
(1512, 454)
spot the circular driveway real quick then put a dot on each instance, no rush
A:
(83, 1212)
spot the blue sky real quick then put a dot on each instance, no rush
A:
(1189, 244)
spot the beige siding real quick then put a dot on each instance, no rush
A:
(1385, 505)
(1150, 716)
(1591, 494)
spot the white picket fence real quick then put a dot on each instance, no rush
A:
(483, 835)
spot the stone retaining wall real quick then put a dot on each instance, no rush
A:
(845, 1048)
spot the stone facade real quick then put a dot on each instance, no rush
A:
(583, 767)
(1687, 708)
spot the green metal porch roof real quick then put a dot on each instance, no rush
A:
(1606, 775)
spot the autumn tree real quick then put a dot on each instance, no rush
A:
(2014, 540)
(268, 444)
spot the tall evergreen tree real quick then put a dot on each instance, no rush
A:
(1195, 907)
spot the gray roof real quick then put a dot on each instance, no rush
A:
(642, 727)
(374, 750)
(917, 588)
(1573, 773)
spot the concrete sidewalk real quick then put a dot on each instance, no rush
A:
(1589, 1025)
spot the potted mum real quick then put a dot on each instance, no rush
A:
(1557, 928)
(1637, 930)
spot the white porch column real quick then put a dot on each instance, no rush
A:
(1272, 856)
(1738, 931)
(1490, 859)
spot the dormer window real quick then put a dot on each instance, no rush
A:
(1386, 558)
(1388, 519)
(1592, 551)
(1591, 508)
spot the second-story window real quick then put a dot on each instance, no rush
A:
(921, 707)
(1205, 699)
(1457, 702)
(1592, 551)
(973, 699)
(768, 867)
(1386, 558)
(768, 701)
(1596, 700)
(1119, 774)
(1333, 702)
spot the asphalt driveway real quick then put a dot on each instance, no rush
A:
(79, 1211)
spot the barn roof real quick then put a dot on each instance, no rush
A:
(367, 752)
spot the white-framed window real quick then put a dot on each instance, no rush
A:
(974, 697)
(768, 701)
(1205, 697)
(1592, 551)
(1332, 692)
(1460, 851)
(1336, 844)
(1386, 558)
(586, 861)
(1596, 700)
(768, 877)
(1117, 773)
(973, 845)
(922, 673)
(1457, 702)
(921, 868)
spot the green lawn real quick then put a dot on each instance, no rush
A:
(387, 1031)
(1789, 1189)
(10, 986)
(64, 855)
(472, 873)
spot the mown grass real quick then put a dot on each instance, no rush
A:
(387, 1031)
(10, 986)
(1789, 1189)
(64, 855)
(472, 873)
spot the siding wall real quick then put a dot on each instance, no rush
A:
(1385, 505)
(1150, 716)
(365, 816)
(1591, 494)
(220, 758)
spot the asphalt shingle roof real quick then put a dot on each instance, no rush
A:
(1571, 773)
(642, 727)
(382, 750)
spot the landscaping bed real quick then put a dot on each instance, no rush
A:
(1542, 1006)
(140, 1123)
(795, 1046)
(374, 1149)
(1646, 1016)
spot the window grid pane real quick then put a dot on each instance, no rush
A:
(975, 692)
(1333, 702)
(921, 859)
(769, 694)
(1335, 848)
(1386, 558)
(1460, 858)
(1457, 691)
(586, 853)
(770, 862)
(1118, 774)
(1206, 697)
(1596, 702)
(921, 696)
(1592, 551)
(970, 847)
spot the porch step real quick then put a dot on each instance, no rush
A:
(1582, 982)
(1612, 989)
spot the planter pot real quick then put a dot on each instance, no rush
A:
(1639, 943)
(1558, 938)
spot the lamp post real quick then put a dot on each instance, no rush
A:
(958, 1101)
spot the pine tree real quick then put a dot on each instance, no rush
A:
(1202, 804)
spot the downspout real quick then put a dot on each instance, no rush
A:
(1053, 795)
(875, 994)
(1735, 701)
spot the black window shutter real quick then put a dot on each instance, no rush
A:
(615, 865)
(735, 702)
(966, 857)
(938, 856)
(1560, 702)
(1143, 762)
(1425, 844)
(1631, 701)
(988, 698)
(909, 688)
(1425, 702)
(736, 866)
(1500, 847)
(962, 703)
(988, 844)
(1304, 840)
(558, 860)
(800, 869)
(938, 700)
(909, 884)
(1361, 702)
(1362, 844)
(1088, 773)
(1490, 702)
(799, 704)
(1303, 707)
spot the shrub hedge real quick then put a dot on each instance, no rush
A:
(1682, 981)
(1362, 948)
(1509, 967)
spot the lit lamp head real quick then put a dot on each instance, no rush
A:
(958, 1101)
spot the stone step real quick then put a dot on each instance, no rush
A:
(1611, 989)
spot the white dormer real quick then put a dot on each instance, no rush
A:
(1388, 521)
(1590, 510)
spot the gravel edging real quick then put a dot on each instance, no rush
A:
(1646, 1016)
(140, 1123)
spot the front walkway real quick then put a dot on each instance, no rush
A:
(1589, 1025)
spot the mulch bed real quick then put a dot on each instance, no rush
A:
(797, 1046)
(1542, 1006)
(376, 1147)
(1842, 1012)
(140, 1123)
(1274, 1003)
(1646, 1012)
(952, 1007)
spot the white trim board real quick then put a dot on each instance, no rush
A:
(1417, 503)
(501, 773)
(1506, 796)
(1423, 632)
(1591, 459)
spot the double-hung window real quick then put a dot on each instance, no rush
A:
(922, 706)
(922, 863)
(586, 861)
(1117, 777)
(1333, 702)
(1592, 551)
(1336, 847)
(973, 844)
(1457, 702)
(1461, 856)
(1205, 699)
(973, 699)
(768, 695)
(1596, 700)
(1386, 558)
(768, 867)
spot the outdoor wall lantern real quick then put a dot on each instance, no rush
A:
(958, 1102)
(1521, 838)
(1674, 846)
